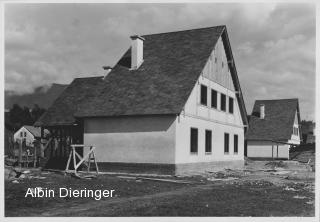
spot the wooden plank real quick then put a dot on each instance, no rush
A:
(74, 160)
(95, 162)
(84, 158)
(68, 163)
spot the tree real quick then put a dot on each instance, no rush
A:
(36, 112)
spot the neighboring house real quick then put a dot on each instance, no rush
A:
(172, 103)
(307, 129)
(28, 134)
(274, 126)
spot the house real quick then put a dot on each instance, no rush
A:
(171, 104)
(274, 127)
(307, 131)
(29, 134)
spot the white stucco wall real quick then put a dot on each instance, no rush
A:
(295, 139)
(136, 139)
(263, 149)
(183, 155)
(204, 117)
(29, 137)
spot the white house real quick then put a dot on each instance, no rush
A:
(28, 134)
(172, 104)
(274, 127)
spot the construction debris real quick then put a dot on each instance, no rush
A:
(299, 197)
(139, 179)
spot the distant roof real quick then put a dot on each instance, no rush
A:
(278, 122)
(63, 108)
(172, 65)
(35, 131)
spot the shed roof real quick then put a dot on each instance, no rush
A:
(172, 65)
(63, 108)
(35, 131)
(278, 122)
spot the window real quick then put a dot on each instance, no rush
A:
(230, 105)
(208, 141)
(215, 60)
(222, 64)
(194, 140)
(214, 97)
(21, 134)
(203, 96)
(235, 144)
(223, 102)
(226, 143)
(295, 131)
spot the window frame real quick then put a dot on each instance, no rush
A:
(222, 95)
(235, 144)
(202, 86)
(208, 132)
(226, 143)
(231, 99)
(191, 140)
(216, 98)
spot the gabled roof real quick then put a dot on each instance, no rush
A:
(35, 131)
(278, 122)
(63, 108)
(172, 65)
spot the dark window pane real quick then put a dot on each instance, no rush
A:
(230, 105)
(226, 143)
(194, 140)
(214, 96)
(208, 141)
(203, 99)
(223, 102)
(235, 143)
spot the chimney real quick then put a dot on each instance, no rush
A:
(107, 70)
(262, 111)
(136, 51)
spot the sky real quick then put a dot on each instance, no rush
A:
(273, 44)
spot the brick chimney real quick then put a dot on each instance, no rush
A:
(136, 51)
(262, 111)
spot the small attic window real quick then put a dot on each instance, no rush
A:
(222, 64)
(203, 95)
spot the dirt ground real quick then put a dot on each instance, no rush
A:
(263, 188)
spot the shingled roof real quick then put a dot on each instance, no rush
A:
(278, 122)
(172, 65)
(63, 108)
(35, 131)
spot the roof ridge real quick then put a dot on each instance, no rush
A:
(89, 77)
(276, 99)
(186, 30)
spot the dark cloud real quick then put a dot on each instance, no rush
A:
(273, 44)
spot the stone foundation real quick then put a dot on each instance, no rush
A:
(196, 168)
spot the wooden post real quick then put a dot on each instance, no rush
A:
(35, 155)
(20, 154)
(277, 151)
(41, 142)
(74, 160)
(272, 150)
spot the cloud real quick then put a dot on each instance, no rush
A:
(273, 44)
